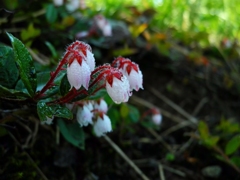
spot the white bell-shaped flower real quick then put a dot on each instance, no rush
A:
(78, 75)
(102, 125)
(135, 79)
(84, 116)
(119, 90)
(101, 105)
(157, 119)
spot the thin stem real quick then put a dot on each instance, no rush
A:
(53, 76)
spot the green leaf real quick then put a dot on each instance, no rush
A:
(46, 111)
(134, 114)
(233, 145)
(30, 33)
(64, 86)
(170, 157)
(72, 132)
(211, 141)
(8, 70)
(235, 160)
(203, 130)
(52, 49)
(51, 13)
(12, 93)
(25, 64)
(124, 110)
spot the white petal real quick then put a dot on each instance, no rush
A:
(90, 60)
(102, 126)
(78, 75)
(157, 119)
(135, 79)
(84, 116)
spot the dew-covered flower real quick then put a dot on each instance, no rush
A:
(78, 74)
(101, 105)
(102, 125)
(135, 78)
(84, 116)
(118, 89)
(131, 71)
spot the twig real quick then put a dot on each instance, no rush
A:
(29, 157)
(161, 172)
(159, 138)
(176, 127)
(149, 105)
(152, 161)
(180, 173)
(124, 156)
(199, 106)
(23, 18)
(185, 146)
(173, 105)
(37, 58)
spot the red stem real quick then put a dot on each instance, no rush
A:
(53, 76)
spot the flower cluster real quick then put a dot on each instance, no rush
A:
(119, 79)
(94, 113)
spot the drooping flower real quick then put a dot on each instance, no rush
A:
(103, 24)
(78, 74)
(118, 89)
(131, 71)
(157, 119)
(84, 116)
(156, 116)
(102, 125)
(135, 78)
(101, 105)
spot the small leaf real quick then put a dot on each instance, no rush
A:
(203, 130)
(211, 141)
(52, 49)
(170, 156)
(30, 33)
(8, 70)
(12, 93)
(134, 114)
(72, 132)
(233, 145)
(51, 13)
(124, 110)
(235, 160)
(25, 64)
(64, 86)
(55, 110)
